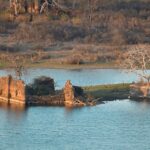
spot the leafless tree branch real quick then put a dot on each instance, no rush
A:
(137, 60)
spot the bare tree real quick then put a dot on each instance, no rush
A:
(89, 7)
(15, 5)
(17, 63)
(92, 4)
(44, 6)
(137, 60)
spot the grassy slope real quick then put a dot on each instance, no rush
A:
(109, 92)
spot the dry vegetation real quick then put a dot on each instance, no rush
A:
(93, 32)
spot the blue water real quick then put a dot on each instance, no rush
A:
(79, 77)
(116, 125)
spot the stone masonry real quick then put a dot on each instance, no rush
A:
(12, 91)
(41, 92)
(73, 95)
(69, 93)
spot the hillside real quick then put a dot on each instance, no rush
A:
(89, 32)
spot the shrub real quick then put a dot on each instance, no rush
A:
(41, 86)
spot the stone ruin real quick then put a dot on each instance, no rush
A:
(40, 92)
(15, 91)
(69, 93)
(12, 91)
(43, 92)
(140, 90)
(74, 95)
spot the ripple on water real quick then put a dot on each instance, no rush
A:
(115, 125)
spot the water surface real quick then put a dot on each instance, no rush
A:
(81, 77)
(116, 125)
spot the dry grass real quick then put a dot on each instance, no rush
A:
(63, 40)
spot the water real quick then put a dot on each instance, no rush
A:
(79, 77)
(116, 125)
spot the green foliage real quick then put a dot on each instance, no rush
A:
(112, 87)
(108, 91)
(41, 86)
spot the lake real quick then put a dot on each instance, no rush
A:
(115, 125)
(83, 77)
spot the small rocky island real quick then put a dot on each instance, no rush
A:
(42, 93)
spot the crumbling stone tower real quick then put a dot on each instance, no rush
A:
(69, 93)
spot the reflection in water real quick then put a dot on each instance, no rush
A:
(14, 111)
(71, 110)
(144, 104)
(116, 125)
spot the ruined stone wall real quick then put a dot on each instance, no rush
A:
(4, 88)
(17, 89)
(69, 93)
(140, 90)
(46, 100)
(12, 91)
(73, 95)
